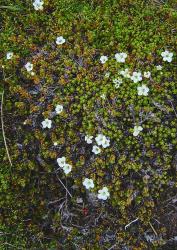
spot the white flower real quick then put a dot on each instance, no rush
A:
(61, 161)
(29, 66)
(103, 193)
(60, 40)
(147, 74)
(107, 74)
(9, 55)
(55, 143)
(38, 4)
(120, 57)
(102, 140)
(167, 56)
(106, 143)
(137, 129)
(103, 96)
(32, 73)
(88, 183)
(136, 77)
(103, 59)
(143, 90)
(117, 82)
(88, 139)
(125, 73)
(59, 109)
(96, 150)
(67, 168)
(159, 67)
(47, 123)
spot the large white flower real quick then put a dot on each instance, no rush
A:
(103, 193)
(88, 183)
(143, 90)
(60, 40)
(59, 109)
(67, 168)
(136, 77)
(88, 139)
(61, 161)
(47, 123)
(167, 56)
(29, 66)
(38, 4)
(120, 57)
(147, 74)
(103, 59)
(96, 150)
(125, 73)
(9, 55)
(137, 130)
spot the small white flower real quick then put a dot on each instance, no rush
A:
(137, 130)
(103, 193)
(96, 150)
(136, 77)
(88, 183)
(61, 161)
(143, 90)
(107, 74)
(117, 82)
(103, 96)
(55, 143)
(103, 59)
(9, 55)
(159, 67)
(47, 123)
(167, 56)
(59, 109)
(106, 143)
(60, 40)
(125, 73)
(147, 74)
(88, 139)
(32, 73)
(38, 4)
(29, 66)
(67, 168)
(102, 140)
(120, 57)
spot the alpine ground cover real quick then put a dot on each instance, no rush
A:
(90, 120)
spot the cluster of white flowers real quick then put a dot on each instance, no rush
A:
(38, 4)
(103, 193)
(47, 123)
(65, 166)
(101, 140)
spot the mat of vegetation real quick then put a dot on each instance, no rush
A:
(89, 122)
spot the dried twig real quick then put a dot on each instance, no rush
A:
(153, 229)
(3, 132)
(131, 223)
(64, 186)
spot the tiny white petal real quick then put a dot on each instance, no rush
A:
(9, 55)
(59, 109)
(67, 168)
(29, 66)
(60, 40)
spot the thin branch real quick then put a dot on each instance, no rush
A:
(3, 132)
(64, 186)
(131, 223)
(153, 229)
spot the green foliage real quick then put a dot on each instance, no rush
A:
(37, 212)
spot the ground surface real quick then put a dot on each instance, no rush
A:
(42, 207)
